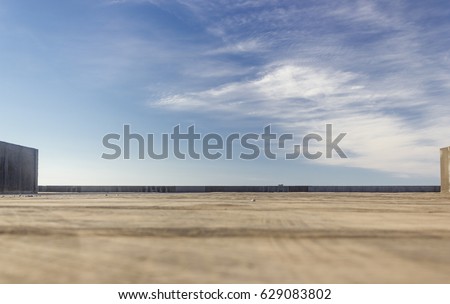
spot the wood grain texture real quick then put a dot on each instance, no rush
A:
(225, 238)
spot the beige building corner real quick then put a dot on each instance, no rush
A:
(445, 178)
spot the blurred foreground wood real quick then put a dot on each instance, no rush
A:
(225, 238)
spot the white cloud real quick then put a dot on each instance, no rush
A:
(304, 99)
(250, 45)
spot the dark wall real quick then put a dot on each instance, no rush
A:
(18, 169)
(200, 189)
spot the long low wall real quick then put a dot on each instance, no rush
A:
(199, 189)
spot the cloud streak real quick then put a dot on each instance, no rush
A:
(301, 99)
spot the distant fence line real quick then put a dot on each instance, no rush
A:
(202, 189)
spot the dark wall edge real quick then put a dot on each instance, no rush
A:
(18, 169)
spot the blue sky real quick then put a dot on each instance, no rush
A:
(73, 71)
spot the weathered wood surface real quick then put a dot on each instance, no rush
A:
(225, 238)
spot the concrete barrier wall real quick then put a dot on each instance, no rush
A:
(18, 169)
(137, 189)
(386, 189)
(203, 189)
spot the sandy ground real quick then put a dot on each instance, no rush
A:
(225, 238)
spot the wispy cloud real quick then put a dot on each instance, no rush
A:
(367, 67)
(302, 99)
(246, 46)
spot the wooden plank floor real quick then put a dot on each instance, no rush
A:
(225, 238)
